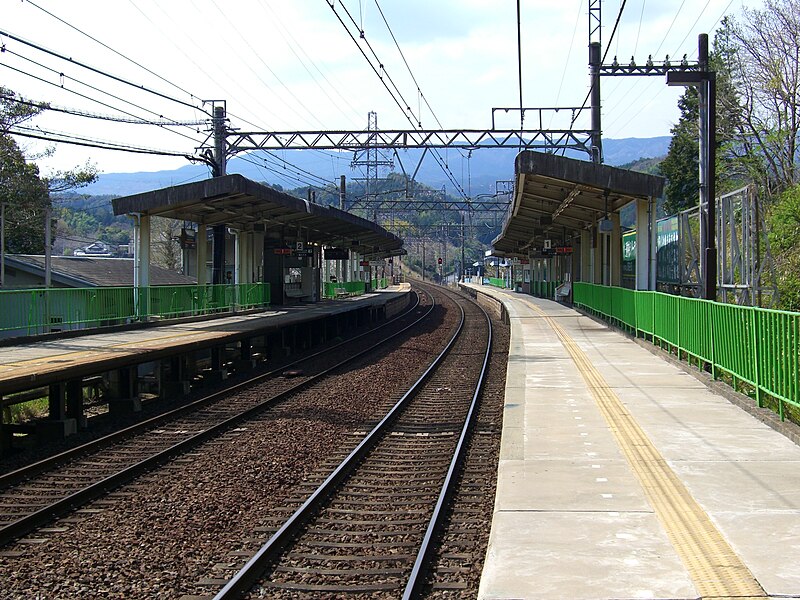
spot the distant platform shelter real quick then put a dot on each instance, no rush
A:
(563, 224)
(253, 232)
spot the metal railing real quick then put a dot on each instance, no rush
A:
(35, 311)
(757, 347)
(497, 282)
(340, 288)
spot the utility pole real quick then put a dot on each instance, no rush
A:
(2, 245)
(705, 81)
(594, 75)
(423, 259)
(220, 164)
(461, 274)
(342, 192)
(47, 249)
(708, 162)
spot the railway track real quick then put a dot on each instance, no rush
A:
(33, 496)
(371, 526)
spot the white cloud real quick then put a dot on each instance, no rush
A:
(462, 52)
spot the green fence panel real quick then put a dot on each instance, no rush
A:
(695, 333)
(667, 317)
(354, 288)
(757, 346)
(777, 354)
(644, 310)
(30, 312)
(734, 348)
(497, 282)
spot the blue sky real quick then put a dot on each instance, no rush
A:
(291, 66)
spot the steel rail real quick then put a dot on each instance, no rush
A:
(424, 556)
(23, 473)
(248, 575)
(66, 504)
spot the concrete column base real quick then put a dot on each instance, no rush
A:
(215, 376)
(124, 406)
(244, 364)
(56, 429)
(175, 389)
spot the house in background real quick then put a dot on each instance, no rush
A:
(96, 249)
(28, 271)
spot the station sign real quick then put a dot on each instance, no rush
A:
(364, 263)
(188, 239)
(563, 249)
(336, 254)
(305, 253)
(282, 251)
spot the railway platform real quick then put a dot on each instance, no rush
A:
(167, 355)
(622, 475)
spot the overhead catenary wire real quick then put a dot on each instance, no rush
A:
(82, 113)
(410, 72)
(90, 143)
(79, 94)
(135, 118)
(99, 71)
(660, 89)
(107, 47)
(407, 112)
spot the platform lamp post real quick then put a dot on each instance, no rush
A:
(705, 81)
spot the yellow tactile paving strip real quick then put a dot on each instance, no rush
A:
(716, 570)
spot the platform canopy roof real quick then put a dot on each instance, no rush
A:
(240, 203)
(556, 197)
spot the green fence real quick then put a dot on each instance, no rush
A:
(497, 282)
(757, 348)
(343, 288)
(34, 311)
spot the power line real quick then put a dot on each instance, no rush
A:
(70, 25)
(32, 76)
(414, 79)
(671, 25)
(702, 12)
(81, 113)
(639, 31)
(98, 71)
(602, 60)
(407, 112)
(267, 67)
(569, 53)
(66, 138)
(291, 42)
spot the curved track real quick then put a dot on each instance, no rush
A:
(370, 527)
(33, 496)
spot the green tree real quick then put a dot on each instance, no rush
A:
(25, 194)
(784, 236)
(26, 199)
(680, 166)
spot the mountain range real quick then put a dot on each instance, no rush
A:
(476, 172)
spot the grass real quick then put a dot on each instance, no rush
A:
(26, 411)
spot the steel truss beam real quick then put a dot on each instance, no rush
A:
(556, 139)
(416, 204)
